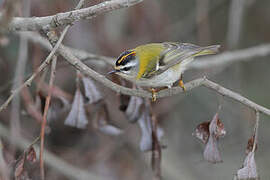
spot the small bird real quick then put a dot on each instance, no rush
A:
(157, 65)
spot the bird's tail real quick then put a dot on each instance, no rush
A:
(208, 50)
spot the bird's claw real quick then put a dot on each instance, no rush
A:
(181, 84)
(154, 94)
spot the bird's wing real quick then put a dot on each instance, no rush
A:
(156, 58)
(178, 51)
(149, 59)
(175, 53)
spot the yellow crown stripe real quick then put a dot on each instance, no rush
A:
(124, 57)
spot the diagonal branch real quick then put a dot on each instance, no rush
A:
(61, 19)
(235, 96)
(215, 60)
(163, 93)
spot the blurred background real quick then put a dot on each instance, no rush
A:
(234, 24)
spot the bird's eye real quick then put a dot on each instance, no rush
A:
(126, 68)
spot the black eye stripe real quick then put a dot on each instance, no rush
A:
(126, 68)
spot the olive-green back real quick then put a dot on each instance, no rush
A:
(149, 56)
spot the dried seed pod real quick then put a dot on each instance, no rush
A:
(216, 129)
(77, 115)
(91, 91)
(249, 170)
(133, 111)
(202, 132)
(250, 144)
(144, 122)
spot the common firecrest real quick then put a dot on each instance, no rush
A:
(143, 64)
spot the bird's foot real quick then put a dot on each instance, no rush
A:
(181, 84)
(154, 94)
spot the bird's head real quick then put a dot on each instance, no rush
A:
(126, 64)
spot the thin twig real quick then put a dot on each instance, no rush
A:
(156, 151)
(256, 131)
(46, 108)
(62, 19)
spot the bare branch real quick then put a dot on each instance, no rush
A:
(235, 96)
(224, 58)
(163, 93)
(156, 150)
(61, 19)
